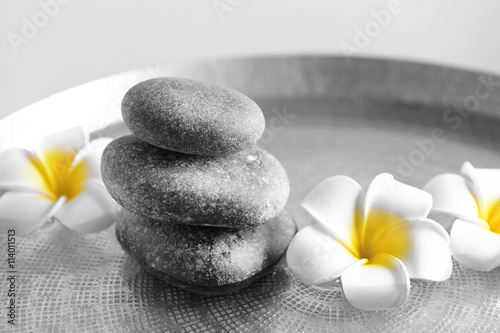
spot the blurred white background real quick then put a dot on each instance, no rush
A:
(52, 45)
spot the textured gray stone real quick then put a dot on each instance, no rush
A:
(205, 259)
(238, 190)
(192, 117)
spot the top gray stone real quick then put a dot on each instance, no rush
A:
(192, 117)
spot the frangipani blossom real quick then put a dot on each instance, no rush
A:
(473, 198)
(61, 178)
(374, 242)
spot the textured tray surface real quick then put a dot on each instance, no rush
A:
(358, 119)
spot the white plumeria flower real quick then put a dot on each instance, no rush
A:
(473, 198)
(61, 179)
(375, 243)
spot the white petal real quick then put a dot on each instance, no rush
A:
(315, 257)
(93, 210)
(475, 246)
(388, 202)
(335, 204)
(23, 211)
(422, 245)
(18, 171)
(389, 195)
(380, 285)
(91, 156)
(72, 139)
(485, 184)
(452, 195)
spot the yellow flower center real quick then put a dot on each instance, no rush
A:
(382, 232)
(492, 216)
(59, 175)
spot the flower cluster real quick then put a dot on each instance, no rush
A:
(373, 243)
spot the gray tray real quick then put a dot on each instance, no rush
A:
(325, 116)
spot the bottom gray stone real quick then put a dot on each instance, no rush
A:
(208, 260)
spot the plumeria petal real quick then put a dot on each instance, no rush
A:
(485, 184)
(335, 204)
(387, 194)
(382, 284)
(389, 202)
(452, 195)
(315, 257)
(23, 211)
(422, 245)
(474, 245)
(18, 172)
(91, 156)
(72, 139)
(93, 210)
